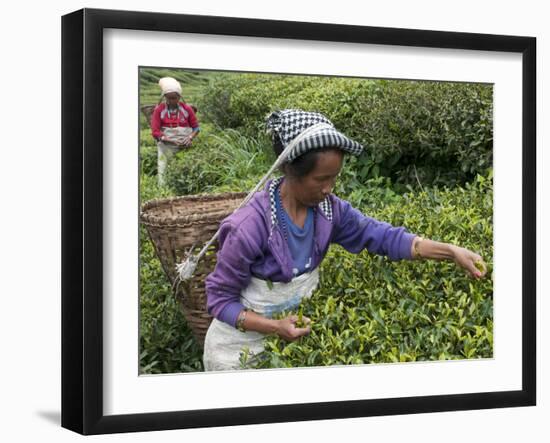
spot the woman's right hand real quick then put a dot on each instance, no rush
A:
(287, 329)
(187, 140)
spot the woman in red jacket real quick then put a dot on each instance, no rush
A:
(174, 124)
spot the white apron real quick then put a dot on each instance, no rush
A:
(168, 150)
(224, 343)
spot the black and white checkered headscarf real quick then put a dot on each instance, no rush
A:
(289, 123)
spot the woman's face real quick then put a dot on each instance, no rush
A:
(172, 99)
(314, 187)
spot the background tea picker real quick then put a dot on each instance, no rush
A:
(174, 124)
(271, 248)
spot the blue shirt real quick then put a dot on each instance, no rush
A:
(300, 240)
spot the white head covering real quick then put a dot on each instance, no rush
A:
(169, 84)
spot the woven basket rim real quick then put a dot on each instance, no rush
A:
(152, 219)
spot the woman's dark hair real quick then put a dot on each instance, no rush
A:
(302, 165)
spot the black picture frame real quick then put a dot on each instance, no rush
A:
(82, 218)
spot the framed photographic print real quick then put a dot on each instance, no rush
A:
(169, 121)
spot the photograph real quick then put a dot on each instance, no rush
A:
(293, 221)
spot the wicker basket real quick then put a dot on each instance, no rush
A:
(148, 112)
(174, 226)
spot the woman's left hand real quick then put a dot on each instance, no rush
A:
(468, 260)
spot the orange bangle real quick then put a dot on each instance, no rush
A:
(240, 320)
(417, 241)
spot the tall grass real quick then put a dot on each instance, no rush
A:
(226, 161)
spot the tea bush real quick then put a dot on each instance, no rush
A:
(433, 133)
(368, 309)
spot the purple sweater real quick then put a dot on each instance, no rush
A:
(251, 245)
